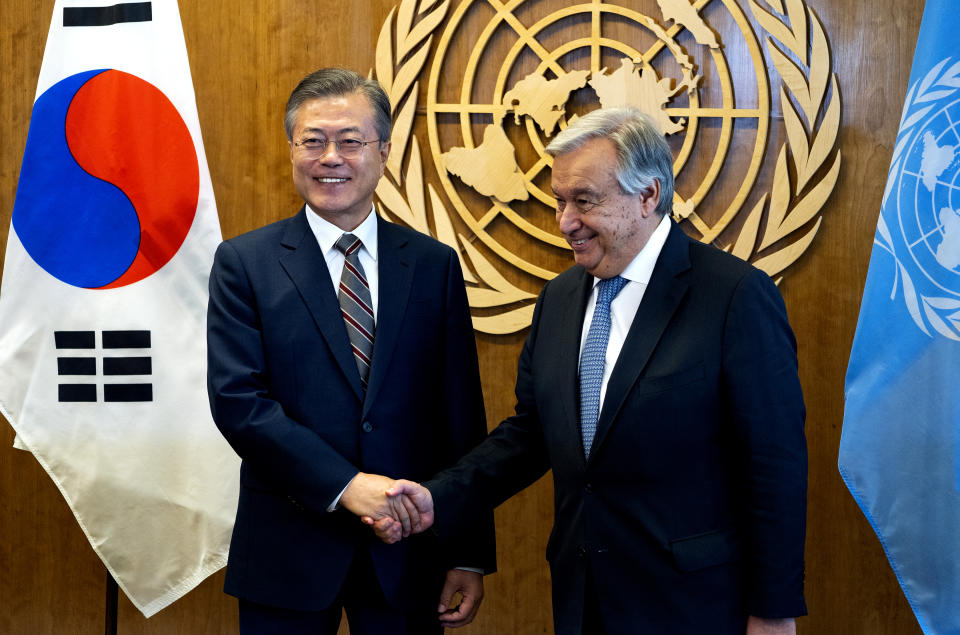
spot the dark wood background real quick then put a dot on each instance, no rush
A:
(245, 57)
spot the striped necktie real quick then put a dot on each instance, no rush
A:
(593, 357)
(355, 304)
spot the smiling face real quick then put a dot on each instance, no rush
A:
(605, 227)
(340, 189)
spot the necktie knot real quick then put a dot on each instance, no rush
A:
(347, 244)
(609, 288)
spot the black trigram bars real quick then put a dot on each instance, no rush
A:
(77, 358)
(105, 16)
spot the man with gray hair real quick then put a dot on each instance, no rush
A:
(341, 347)
(659, 383)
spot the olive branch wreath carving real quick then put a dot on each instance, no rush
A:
(401, 54)
(810, 145)
(404, 44)
(943, 313)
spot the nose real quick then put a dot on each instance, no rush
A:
(568, 220)
(330, 154)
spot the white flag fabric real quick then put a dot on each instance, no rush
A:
(104, 294)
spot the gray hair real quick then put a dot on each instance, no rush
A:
(334, 82)
(642, 153)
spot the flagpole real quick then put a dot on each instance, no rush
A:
(110, 610)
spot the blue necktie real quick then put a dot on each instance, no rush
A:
(593, 357)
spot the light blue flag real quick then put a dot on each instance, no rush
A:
(899, 448)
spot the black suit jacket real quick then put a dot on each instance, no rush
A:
(285, 392)
(691, 508)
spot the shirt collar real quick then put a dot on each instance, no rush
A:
(641, 267)
(328, 234)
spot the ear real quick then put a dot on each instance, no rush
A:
(384, 154)
(650, 196)
(292, 148)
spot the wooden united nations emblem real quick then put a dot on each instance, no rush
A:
(478, 90)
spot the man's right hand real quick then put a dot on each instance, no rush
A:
(366, 496)
(415, 500)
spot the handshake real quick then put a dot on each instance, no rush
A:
(393, 509)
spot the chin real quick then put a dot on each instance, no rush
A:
(328, 205)
(590, 265)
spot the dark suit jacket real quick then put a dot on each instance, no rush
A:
(691, 508)
(285, 392)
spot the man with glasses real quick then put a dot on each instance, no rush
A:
(659, 383)
(340, 348)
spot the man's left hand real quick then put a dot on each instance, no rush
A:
(470, 586)
(765, 626)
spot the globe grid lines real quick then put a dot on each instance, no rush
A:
(928, 202)
(549, 60)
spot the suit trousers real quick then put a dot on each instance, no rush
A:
(592, 617)
(368, 612)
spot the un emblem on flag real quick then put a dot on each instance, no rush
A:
(923, 200)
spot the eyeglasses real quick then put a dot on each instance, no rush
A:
(314, 148)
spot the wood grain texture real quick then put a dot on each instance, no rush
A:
(245, 58)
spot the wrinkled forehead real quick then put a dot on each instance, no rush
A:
(591, 168)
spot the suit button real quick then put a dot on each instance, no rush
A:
(367, 426)
(581, 551)
(589, 488)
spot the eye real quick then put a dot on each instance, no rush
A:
(560, 204)
(313, 142)
(351, 144)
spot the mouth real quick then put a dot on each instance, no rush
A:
(578, 243)
(330, 179)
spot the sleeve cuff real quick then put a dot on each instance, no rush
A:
(332, 507)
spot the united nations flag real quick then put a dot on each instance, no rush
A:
(899, 448)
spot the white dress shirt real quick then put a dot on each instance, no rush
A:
(624, 306)
(328, 234)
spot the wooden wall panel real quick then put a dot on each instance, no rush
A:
(850, 586)
(245, 58)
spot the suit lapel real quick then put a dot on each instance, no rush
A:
(395, 264)
(568, 351)
(660, 302)
(307, 268)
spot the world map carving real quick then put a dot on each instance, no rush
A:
(544, 100)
